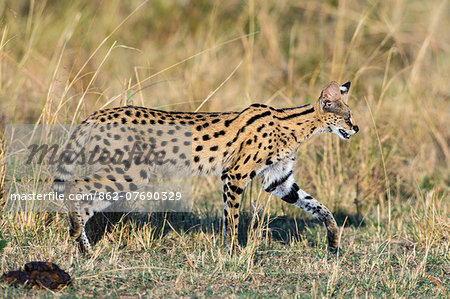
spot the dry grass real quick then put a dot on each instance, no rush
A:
(60, 61)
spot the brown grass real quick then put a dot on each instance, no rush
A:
(60, 61)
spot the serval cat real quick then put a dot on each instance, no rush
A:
(259, 141)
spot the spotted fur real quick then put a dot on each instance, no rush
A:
(260, 141)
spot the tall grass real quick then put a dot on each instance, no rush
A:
(388, 186)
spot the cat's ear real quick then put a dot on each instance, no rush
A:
(330, 97)
(345, 88)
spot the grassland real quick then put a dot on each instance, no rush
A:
(388, 186)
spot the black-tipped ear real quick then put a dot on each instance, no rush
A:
(345, 87)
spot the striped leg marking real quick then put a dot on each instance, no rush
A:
(284, 187)
(232, 193)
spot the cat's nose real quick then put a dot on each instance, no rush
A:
(356, 129)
